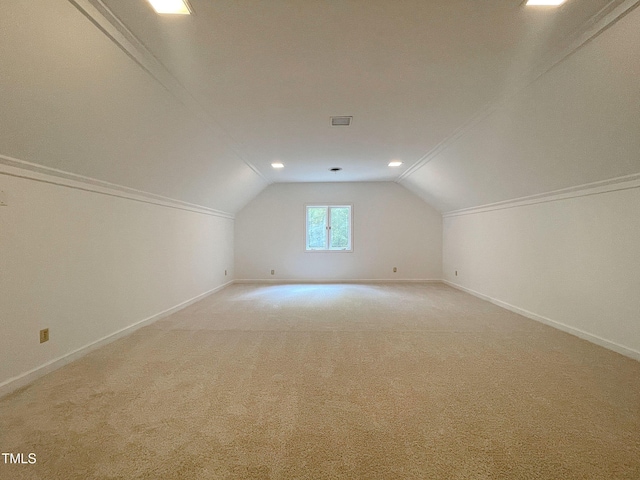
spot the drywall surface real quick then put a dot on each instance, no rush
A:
(576, 124)
(87, 264)
(391, 228)
(73, 100)
(573, 261)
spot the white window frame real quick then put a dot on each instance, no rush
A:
(328, 206)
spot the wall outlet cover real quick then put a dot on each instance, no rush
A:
(44, 335)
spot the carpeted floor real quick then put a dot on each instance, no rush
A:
(333, 381)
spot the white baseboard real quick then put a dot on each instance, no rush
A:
(268, 281)
(23, 379)
(603, 342)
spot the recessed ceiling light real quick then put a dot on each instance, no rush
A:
(341, 121)
(277, 165)
(176, 7)
(545, 3)
(395, 163)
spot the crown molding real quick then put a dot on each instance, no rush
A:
(626, 182)
(14, 167)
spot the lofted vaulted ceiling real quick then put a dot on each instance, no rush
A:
(483, 101)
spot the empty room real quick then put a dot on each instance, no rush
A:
(319, 239)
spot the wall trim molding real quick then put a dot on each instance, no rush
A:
(626, 182)
(600, 22)
(600, 341)
(30, 376)
(331, 281)
(14, 167)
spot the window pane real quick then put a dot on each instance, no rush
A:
(316, 228)
(339, 232)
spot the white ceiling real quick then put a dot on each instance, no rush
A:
(578, 124)
(240, 84)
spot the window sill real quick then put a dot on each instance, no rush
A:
(328, 251)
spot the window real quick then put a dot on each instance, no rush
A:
(328, 228)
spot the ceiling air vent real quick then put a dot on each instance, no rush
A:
(341, 121)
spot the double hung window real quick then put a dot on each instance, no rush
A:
(328, 228)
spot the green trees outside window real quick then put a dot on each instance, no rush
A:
(328, 227)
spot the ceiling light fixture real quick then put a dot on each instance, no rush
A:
(341, 121)
(277, 165)
(175, 7)
(395, 163)
(545, 3)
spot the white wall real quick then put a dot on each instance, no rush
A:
(572, 262)
(87, 265)
(391, 228)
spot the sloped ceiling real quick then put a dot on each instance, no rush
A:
(577, 124)
(74, 101)
(196, 108)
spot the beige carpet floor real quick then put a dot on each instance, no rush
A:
(333, 381)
